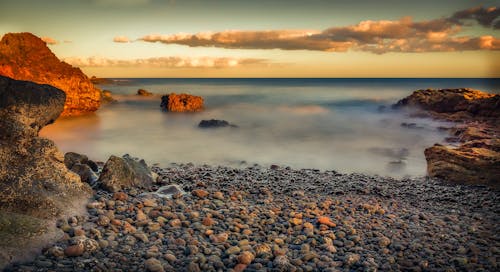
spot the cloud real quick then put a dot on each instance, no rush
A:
(121, 39)
(49, 40)
(272, 39)
(487, 17)
(378, 37)
(166, 62)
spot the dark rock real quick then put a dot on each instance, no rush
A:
(411, 125)
(86, 173)
(23, 56)
(143, 92)
(33, 105)
(72, 158)
(181, 103)
(126, 172)
(213, 123)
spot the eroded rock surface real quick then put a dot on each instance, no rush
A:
(181, 103)
(23, 56)
(124, 173)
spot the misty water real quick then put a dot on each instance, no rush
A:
(326, 124)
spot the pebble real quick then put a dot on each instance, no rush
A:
(74, 250)
(154, 265)
(255, 219)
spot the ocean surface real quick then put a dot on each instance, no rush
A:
(326, 124)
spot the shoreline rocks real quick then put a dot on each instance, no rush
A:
(477, 159)
(35, 185)
(124, 173)
(23, 56)
(181, 103)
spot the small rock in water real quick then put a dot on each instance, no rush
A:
(213, 123)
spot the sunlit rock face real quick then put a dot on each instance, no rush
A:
(181, 103)
(23, 56)
(454, 104)
(33, 178)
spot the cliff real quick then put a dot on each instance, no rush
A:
(23, 56)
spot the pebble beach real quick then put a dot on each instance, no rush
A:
(280, 219)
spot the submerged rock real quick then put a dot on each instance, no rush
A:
(23, 56)
(107, 97)
(142, 92)
(213, 123)
(181, 103)
(125, 172)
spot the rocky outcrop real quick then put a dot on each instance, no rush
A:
(454, 104)
(35, 185)
(181, 103)
(24, 56)
(142, 92)
(476, 162)
(214, 123)
(34, 179)
(125, 173)
(477, 159)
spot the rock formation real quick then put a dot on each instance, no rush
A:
(181, 103)
(125, 173)
(214, 123)
(35, 185)
(24, 56)
(477, 159)
(34, 179)
(454, 104)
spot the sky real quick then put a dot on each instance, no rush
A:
(281, 38)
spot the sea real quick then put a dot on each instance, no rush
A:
(345, 125)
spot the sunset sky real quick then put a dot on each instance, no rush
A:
(284, 38)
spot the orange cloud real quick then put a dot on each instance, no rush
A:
(121, 39)
(49, 40)
(378, 37)
(166, 62)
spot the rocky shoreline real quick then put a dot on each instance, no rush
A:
(281, 219)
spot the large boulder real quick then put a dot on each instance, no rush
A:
(476, 162)
(23, 56)
(33, 177)
(35, 185)
(181, 103)
(125, 173)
